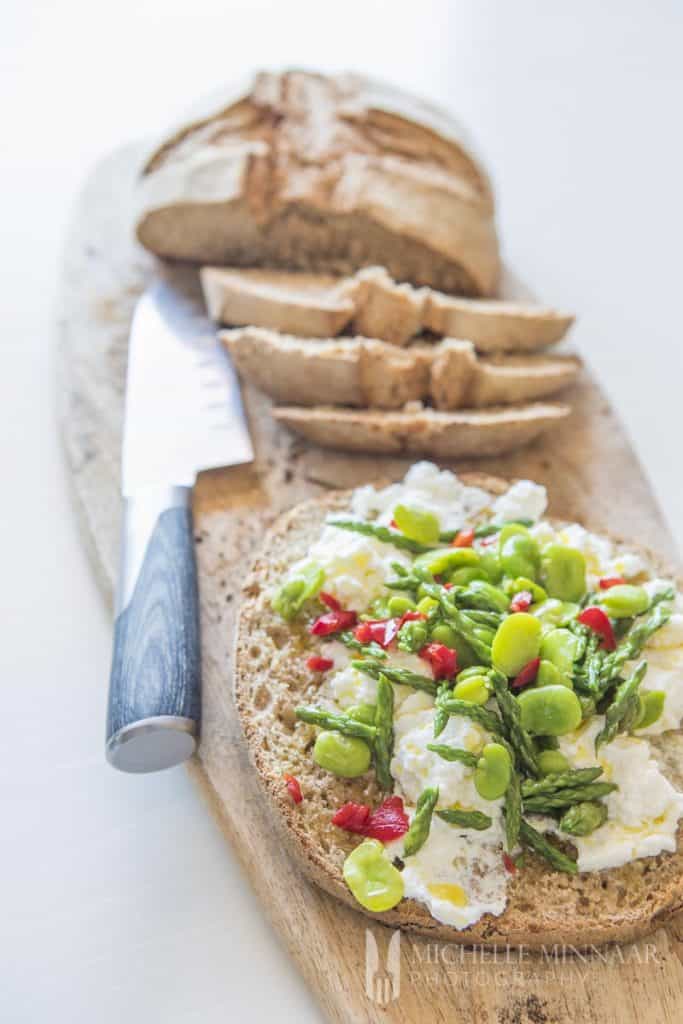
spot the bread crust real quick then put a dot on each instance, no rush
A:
(544, 907)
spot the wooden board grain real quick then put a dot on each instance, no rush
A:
(591, 473)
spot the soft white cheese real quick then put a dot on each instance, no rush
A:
(642, 813)
(458, 874)
(425, 487)
(356, 567)
(524, 500)
(345, 686)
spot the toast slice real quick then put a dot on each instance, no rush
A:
(317, 305)
(271, 678)
(424, 431)
(368, 373)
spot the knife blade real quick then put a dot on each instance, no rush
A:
(183, 414)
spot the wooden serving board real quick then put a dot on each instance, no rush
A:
(592, 475)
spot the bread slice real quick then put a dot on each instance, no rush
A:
(423, 431)
(310, 305)
(271, 678)
(317, 305)
(324, 173)
(369, 373)
(495, 326)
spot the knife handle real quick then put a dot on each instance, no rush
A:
(154, 686)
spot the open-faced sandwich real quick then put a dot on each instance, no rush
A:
(466, 711)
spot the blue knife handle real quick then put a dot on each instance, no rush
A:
(154, 686)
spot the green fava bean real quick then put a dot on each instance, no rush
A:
(515, 586)
(346, 756)
(516, 643)
(519, 553)
(564, 572)
(555, 613)
(290, 598)
(472, 670)
(480, 594)
(493, 772)
(443, 634)
(625, 600)
(445, 560)
(374, 881)
(417, 524)
(651, 707)
(426, 604)
(549, 675)
(474, 689)
(489, 562)
(399, 605)
(363, 713)
(461, 577)
(549, 710)
(560, 647)
(552, 762)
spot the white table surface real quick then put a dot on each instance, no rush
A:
(120, 899)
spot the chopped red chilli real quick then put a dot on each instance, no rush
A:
(389, 821)
(318, 664)
(596, 619)
(610, 581)
(293, 787)
(521, 601)
(333, 622)
(463, 539)
(526, 675)
(332, 603)
(352, 817)
(444, 660)
(509, 863)
(381, 631)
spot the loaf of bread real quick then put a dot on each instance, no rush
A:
(325, 173)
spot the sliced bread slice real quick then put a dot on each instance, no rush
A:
(423, 431)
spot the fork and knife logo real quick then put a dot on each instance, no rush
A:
(382, 980)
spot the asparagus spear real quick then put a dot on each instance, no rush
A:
(417, 834)
(441, 716)
(566, 797)
(465, 819)
(403, 676)
(623, 711)
(560, 780)
(583, 818)
(518, 736)
(485, 718)
(382, 533)
(372, 649)
(513, 812)
(465, 757)
(384, 726)
(336, 720)
(540, 845)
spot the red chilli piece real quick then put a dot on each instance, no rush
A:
(412, 617)
(293, 788)
(381, 631)
(444, 660)
(333, 622)
(509, 863)
(521, 601)
(526, 675)
(318, 664)
(610, 581)
(394, 525)
(352, 817)
(388, 822)
(463, 539)
(332, 603)
(596, 619)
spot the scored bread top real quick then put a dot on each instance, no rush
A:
(271, 678)
(328, 173)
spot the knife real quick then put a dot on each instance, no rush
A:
(183, 414)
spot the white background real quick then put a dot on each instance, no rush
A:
(119, 899)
